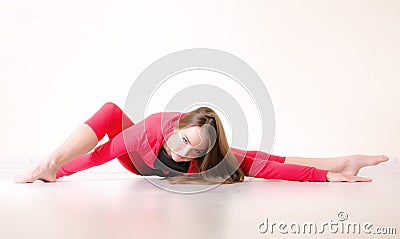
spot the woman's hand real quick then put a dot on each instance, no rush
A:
(342, 177)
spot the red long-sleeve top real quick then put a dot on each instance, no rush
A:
(143, 140)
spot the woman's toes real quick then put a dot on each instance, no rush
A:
(380, 159)
(42, 171)
(356, 162)
(23, 179)
(366, 160)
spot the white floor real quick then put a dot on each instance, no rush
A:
(123, 205)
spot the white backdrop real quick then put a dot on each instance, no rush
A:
(331, 67)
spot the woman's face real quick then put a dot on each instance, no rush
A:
(188, 143)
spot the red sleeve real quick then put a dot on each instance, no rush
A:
(294, 172)
(269, 166)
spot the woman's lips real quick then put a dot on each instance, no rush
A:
(179, 157)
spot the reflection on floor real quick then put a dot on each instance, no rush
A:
(123, 205)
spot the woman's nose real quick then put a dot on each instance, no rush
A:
(185, 151)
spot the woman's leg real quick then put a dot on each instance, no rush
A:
(347, 164)
(258, 154)
(63, 161)
(107, 120)
(82, 140)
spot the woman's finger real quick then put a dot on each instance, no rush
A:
(359, 179)
(362, 179)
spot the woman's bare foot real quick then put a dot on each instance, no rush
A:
(45, 170)
(354, 163)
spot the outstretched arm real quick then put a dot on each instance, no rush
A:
(294, 172)
(283, 171)
(262, 165)
(259, 164)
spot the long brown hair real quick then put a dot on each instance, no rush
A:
(220, 162)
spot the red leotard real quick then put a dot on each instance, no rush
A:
(108, 120)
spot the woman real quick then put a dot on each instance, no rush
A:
(183, 148)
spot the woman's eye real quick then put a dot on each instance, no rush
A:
(184, 140)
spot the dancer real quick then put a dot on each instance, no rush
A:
(188, 147)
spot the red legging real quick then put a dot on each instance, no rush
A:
(109, 118)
